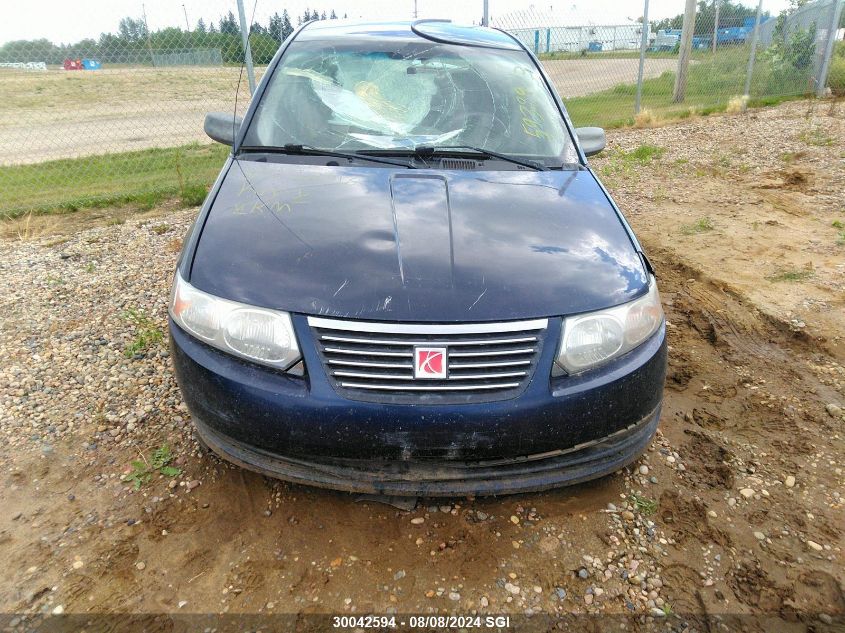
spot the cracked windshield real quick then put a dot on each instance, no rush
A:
(399, 96)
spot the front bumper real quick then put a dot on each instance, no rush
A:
(557, 432)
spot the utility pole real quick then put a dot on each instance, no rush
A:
(753, 54)
(415, 9)
(643, 46)
(250, 71)
(716, 4)
(485, 18)
(187, 24)
(684, 52)
(147, 29)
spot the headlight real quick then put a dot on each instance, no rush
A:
(589, 340)
(257, 334)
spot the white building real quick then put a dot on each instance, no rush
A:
(571, 31)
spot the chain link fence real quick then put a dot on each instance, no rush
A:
(601, 65)
(118, 118)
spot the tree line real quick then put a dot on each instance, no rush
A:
(134, 43)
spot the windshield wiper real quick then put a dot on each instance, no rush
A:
(310, 150)
(426, 151)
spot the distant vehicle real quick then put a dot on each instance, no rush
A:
(666, 39)
(407, 280)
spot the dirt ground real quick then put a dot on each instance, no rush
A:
(60, 114)
(734, 513)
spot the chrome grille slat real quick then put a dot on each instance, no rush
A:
(372, 361)
(506, 385)
(364, 352)
(504, 363)
(434, 343)
(355, 374)
(515, 352)
(357, 363)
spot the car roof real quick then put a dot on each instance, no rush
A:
(436, 30)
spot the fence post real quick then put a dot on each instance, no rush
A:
(684, 53)
(835, 15)
(643, 46)
(716, 4)
(250, 71)
(485, 16)
(754, 37)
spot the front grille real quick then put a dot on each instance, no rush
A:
(374, 361)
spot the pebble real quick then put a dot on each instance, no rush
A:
(140, 565)
(560, 592)
(583, 573)
(483, 602)
(712, 514)
(759, 536)
(399, 575)
(747, 492)
(834, 410)
(58, 610)
(78, 564)
(514, 519)
(588, 599)
(454, 596)
(789, 482)
(628, 515)
(511, 588)
(814, 546)
(643, 469)
(418, 520)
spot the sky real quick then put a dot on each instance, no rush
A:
(66, 22)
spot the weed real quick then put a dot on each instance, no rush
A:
(737, 105)
(55, 280)
(146, 334)
(646, 118)
(89, 268)
(174, 245)
(159, 462)
(161, 229)
(702, 225)
(816, 136)
(623, 162)
(838, 224)
(644, 154)
(644, 505)
(791, 275)
(192, 195)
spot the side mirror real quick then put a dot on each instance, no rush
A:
(591, 139)
(222, 126)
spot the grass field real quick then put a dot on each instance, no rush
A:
(143, 178)
(713, 80)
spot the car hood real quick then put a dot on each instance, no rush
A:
(415, 245)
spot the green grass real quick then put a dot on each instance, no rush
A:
(816, 136)
(159, 462)
(147, 334)
(702, 225)
(712, 81)
(791, 275)
(143, 178)
(644, 505)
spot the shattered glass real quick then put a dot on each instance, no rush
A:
(398, 94)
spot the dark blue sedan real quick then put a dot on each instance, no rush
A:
(407, 280)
